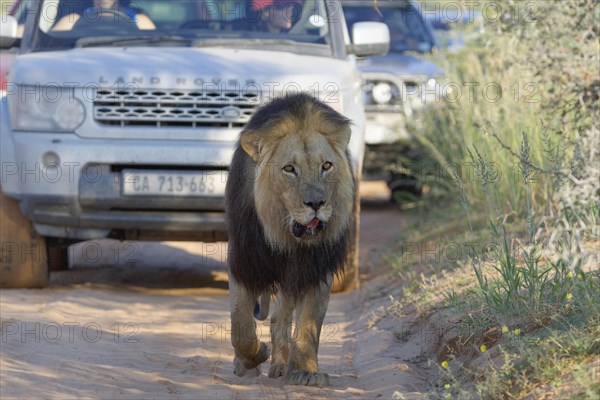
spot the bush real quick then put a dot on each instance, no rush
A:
(535, 72)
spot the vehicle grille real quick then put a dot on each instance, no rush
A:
(186, 108)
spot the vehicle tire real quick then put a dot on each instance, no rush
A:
(23, 253)
(404, 186)
(349, 278)
(58, 255)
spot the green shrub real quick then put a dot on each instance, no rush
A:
(544, 58)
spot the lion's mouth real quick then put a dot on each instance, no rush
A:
(309, 229)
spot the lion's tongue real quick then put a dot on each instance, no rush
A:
(313, 223)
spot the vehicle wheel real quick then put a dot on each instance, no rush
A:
(58, 255)
(23, 253)
(348, 279)
(404, 187)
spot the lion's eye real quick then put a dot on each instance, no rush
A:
(289, 169)
(327, 166)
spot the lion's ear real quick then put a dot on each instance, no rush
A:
(340, 138)
(249, 140)
(335, 126)
(345, 135)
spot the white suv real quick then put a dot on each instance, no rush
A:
(114, 128)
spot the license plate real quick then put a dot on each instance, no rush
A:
(173, 183)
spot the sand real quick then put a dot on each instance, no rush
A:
(138, 320)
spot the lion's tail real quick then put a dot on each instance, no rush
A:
(261, 309)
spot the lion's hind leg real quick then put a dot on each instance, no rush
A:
(249, 352)
(303, 368)
(281, 335)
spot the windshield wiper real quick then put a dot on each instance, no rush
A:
(129, 40)
(242, 41)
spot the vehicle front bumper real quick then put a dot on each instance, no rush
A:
(71, 187)
(65, 218)
(385, 127)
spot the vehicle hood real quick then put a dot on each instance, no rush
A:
(401, 65)
(169, 68)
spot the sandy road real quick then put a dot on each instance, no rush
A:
(150, 321)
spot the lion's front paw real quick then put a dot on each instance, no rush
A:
(299, 377)
(276, 370)
(244, 366)
(240, 370)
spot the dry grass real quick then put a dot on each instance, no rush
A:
(518, 317)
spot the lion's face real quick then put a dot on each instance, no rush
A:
(303, 188)
(302, 171)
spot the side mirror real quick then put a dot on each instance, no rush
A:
(8, 32)
(370, 39)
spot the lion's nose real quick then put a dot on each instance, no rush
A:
(315, 204)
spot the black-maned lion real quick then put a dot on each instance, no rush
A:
(290, 200)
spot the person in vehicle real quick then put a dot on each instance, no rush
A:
(276, 15)
(142, 21)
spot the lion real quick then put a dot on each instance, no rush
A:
(290, 198)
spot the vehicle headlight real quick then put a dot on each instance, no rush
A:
(424, 93)
(381, 93)
(45, 108)
(431, 92)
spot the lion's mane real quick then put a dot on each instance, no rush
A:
(257, 260)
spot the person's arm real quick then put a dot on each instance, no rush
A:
(66, 23)
(144, 23)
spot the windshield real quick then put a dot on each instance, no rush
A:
(83, 23)
(408, 31)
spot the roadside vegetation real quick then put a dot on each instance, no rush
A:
(502, 257)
